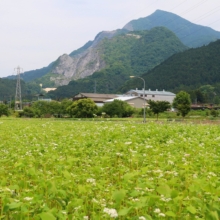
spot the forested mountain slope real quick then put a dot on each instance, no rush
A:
(8, 88)
(186, 70)
(192, 35)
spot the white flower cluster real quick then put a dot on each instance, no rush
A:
(163, 198)
(91, 180)
(149, 190)
(28, 198)
(119, 154)
(170, 162)
(149, 146)
(159, 212)
(142, 218)
(111, 212)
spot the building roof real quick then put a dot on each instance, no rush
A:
(123, 98)
(96, 97)
(126, 98)
(150, 92)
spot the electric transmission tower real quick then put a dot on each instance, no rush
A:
(18, 101)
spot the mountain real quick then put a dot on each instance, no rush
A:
(186, 70)
(97, 55)
(190, 34)
(126, 54)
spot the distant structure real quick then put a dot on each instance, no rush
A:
(18, 101)
(153, 95)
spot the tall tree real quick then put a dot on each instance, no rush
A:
(158, 107)
(118, 108)
(182, 103)
(83, 108)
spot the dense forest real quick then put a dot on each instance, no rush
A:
(188, 69)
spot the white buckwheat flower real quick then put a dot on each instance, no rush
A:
(157, 210)
(111, 212)
(28, 198)
(162, 214)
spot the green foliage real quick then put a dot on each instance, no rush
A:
(43, 108)
(4, 110)
(27, 112)
(118, 108)
(65, 103)
(83, 108)
(158, 106)
(214, 113)
(46, 80)
(182, 103)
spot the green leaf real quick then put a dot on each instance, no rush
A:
(32, 171)
(174, 194)
(214, 215)
(164, 190)
(47, 216)
(14, 205)
(129, 176)
(124, 211)
(118, 196)
(170, 213)
(66, 174)
(191, 209)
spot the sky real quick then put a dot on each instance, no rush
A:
(35, 33)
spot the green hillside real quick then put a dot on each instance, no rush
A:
(8, 88)
(190, 34)
(187, 70)
(127, 54)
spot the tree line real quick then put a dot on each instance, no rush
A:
(86, 108)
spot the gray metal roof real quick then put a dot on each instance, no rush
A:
(150, 92)
(124, 98)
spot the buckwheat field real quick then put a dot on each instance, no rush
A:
(108, 170)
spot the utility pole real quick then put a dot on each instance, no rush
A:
(18, 101)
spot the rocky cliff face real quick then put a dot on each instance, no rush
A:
(81, 65)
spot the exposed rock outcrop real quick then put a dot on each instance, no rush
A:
(79, 66)
(82, 64)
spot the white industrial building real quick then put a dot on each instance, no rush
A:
(153, 95)
(137, 102)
